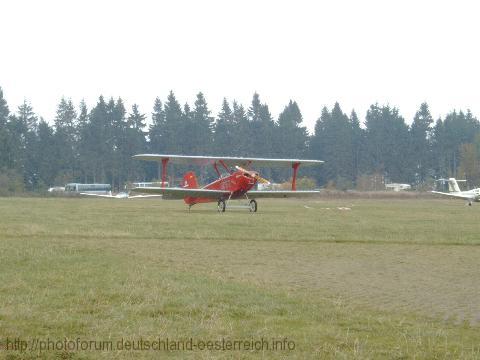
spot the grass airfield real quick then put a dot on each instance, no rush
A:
(379, 279)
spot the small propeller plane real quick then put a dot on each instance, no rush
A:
(454, 191)
(237, 184)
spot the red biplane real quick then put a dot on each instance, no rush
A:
(236, 184)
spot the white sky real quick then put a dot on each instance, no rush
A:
(315, 52)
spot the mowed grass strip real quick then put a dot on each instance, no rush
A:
(100, 269)
(383, 221)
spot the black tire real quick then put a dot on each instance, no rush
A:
(253, 206)
(221, 205)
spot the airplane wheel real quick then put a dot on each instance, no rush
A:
(470, 203)
(253, 206)
(221, 205)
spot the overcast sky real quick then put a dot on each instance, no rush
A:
(400, 53)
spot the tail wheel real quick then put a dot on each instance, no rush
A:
(253, 206)
(221, 205)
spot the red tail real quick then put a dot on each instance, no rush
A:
(190, 180)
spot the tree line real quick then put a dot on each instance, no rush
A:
(96, 145)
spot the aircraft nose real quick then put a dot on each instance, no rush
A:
(249, 179)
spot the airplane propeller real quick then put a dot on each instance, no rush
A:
(254, 175)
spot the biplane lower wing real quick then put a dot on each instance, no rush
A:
(180, 193)
(102, 195)
(280, 194)
(120, 196)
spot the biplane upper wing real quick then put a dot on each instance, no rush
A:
(227, 160)
(257, 194)
(179, 193)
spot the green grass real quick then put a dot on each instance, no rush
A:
(385, 279)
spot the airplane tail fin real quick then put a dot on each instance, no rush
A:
(453, 185)
(190, 180)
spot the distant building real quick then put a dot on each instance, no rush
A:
(149, 184)
(397, 187)
(105, 189)
(270, 186)
(54, 189)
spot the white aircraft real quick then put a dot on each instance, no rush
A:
(454, 191)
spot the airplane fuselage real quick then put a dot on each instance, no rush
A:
(474, 194)
(237, 183)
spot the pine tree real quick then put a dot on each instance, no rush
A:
(173, 125)
(223, 136)
(420, 151)
(23, 132)
(357, 145)
(65, 139)
(26, 117)
(261, 128)
(136, 120)
(291, 137)
(4, 112)
(387, 140)
(5, 136)
(458, 128)
(81, 146)
(135, 144)
(202, 124)
(98, 145)
(254, 109)
(333, 142)
(187, 132)
(83, 115)
(47, 165)
(96, 142)
(265, 134)
(116, 155)
(318, 144)
(469, 168)
(242, 139)
(157, 128)
(66, 116)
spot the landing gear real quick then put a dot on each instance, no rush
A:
(252, 206)
(221, 205)
(470, 203)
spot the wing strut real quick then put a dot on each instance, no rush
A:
(216, 169)
(164, 170)
(295, 167)
(225, 166)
